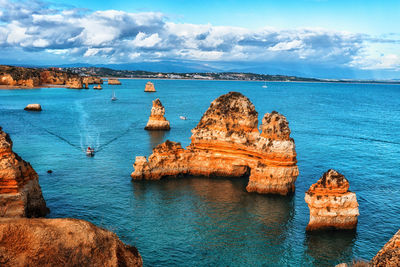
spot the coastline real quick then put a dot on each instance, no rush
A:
(20, 87)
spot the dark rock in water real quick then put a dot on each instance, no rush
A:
(62, 242)
(49, 171)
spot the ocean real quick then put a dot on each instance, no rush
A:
(353, 128)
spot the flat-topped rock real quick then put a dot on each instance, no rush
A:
(62, 242)
(331, 203)
(149, 87)
(227, 143)
(114, 82)
(20, 193)
(157, 121)
(33, 107)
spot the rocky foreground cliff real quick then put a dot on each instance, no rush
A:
(62, 242)
(227, 143)
(35, 77)
(331, 203)
(20, 193)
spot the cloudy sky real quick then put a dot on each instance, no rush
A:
(318, 38)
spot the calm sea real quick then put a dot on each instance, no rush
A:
(353, 128)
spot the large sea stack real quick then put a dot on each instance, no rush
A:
(157, 121)
(62, 242)
(331, 204)
(149, 87)
(20, 193)
(114, 82)
(227, 143)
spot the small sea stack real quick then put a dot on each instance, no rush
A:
(389, 255)
(227, 143)
(114, 82)
(20, 192)
(97, 87)
(157, 121)
(149, 87)
(331, 204)
(33, 107)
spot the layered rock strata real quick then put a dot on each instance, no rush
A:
(33, 107)
(331, 204)
(227, 143)
(149, 87)
(20, 193)
(62, 242)
(389, 255)
(114, 82)
(157, 121)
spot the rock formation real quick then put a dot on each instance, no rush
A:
(62, 242)
(157, 120)
(92, 80)
(226, 142)
(149, 87)
(331, 204)
(114, 82)
(33, 107)
(20, 193)
(18, 76)
(74, 83)
(389, 255)
(97, 87)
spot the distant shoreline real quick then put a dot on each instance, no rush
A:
(20, 87)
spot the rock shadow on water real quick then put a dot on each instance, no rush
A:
(155, 138)
(330, 247)
(221, 216)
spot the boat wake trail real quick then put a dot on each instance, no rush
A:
(101, 147)
(350, 137)
(89, 134)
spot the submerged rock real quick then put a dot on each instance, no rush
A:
(331, 204)
(20, 192)
(389, 255)
(33, 107)
(226, 142)
(149, 87)
(62, 242)
(157, 121)
(114, 82)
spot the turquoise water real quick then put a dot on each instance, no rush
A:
(353, 128)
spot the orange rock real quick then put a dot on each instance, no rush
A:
(157, 121)
(227, 143)
(62, 242)
(20, 193)
(33, 107)
(114, 82)
(74, 83)
(331, 203)
(389, 255)
(149, 87)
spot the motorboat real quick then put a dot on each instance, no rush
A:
(182, 118)
(90, 152)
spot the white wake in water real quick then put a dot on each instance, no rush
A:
(89, 133)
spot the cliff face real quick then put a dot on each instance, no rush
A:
(20, 193)
(389, 255)
(331, 203)
(28, 77)
(149, 87)
(92, 80)
(227, 143)
(62, 242)
(157, 121)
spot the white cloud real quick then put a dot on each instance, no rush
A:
(283, 46)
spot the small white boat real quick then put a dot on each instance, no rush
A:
(182, 118)
(113, 97)
(90, 152)
(265, 85)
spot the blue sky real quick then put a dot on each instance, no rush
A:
(318, 38)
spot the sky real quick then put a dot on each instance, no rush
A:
(313, 38)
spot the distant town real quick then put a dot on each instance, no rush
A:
(230, 76)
